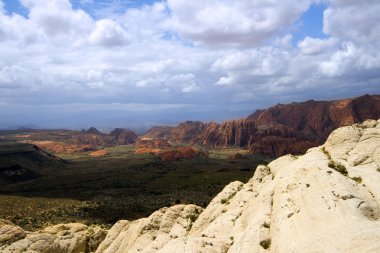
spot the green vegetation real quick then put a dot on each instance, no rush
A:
(358, 180)
(335, 165)
(102, 190)
(326, 153)
(265, 243)
(338, 167)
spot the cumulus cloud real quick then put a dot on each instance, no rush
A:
(356, 21)
(57, 18)
(241, 23)
(108, 33)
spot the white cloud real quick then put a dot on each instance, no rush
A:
(108, 33)
(358, 21)
(57, 18)
(312, 46)
(145, 23)
(190, 88)
(243, 23)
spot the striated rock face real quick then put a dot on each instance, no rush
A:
(278, 130)
(327, 200)
(62, 238)
(187, 132)
(307, 124)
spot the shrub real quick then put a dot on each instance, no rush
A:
(358, 180)
(326, 153)
(265, 243)
(338, 167)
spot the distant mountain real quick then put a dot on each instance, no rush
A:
(91, 130)
(70, 141)
(278, 130)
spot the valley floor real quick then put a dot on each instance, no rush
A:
(119, 185)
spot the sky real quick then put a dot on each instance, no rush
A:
(114, 63)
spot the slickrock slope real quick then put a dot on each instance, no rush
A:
(327, 200)
(62, 238)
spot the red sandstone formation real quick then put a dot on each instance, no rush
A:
(181, 153)
(278, 130)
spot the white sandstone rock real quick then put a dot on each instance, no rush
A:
(295, 204)
(62, 238)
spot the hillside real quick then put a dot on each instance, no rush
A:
(22, 162)
(278, 130)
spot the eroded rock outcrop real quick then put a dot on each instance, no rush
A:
(187, 132)
(69, 142)
(278, 130)
(173, 154)
(62, 238)
(181, 153)
(152, 143)
(327, 200)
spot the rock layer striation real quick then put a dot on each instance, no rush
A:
(278, 130)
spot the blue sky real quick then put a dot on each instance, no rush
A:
(136, 63)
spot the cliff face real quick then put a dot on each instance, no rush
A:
(186, 132)
(278, 130)
(296, 127)
(327, 200)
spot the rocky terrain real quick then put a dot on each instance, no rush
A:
(327, 200)
(62, 238)
(184, 133)
(278, 130)
(70, 142)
